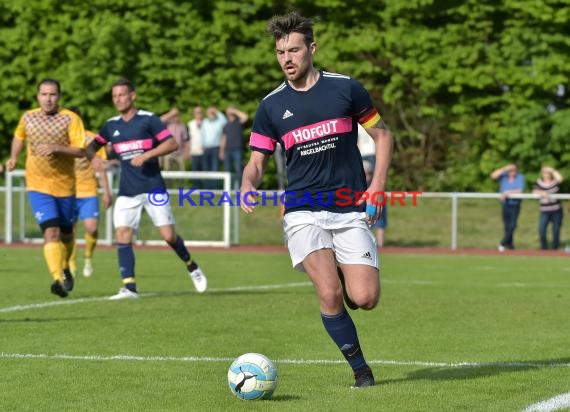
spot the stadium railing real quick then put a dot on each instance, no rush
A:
(229, 218)
(17, 176)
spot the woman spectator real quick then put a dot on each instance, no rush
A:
(550, 209)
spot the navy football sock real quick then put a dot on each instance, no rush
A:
(343, 332)
(127, 265)
(180, 249)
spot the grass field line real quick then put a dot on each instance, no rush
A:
(556, 403)
(24, 307)
(136, 358)
(20, 308)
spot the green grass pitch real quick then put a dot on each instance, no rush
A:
(452, 332)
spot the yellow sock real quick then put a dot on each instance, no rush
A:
(68, 252)
(54, 254)
(72, 262)
(90, 243)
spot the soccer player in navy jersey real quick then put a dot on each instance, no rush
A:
(139, 138)
(313, 115)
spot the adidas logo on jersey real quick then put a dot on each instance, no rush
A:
(116, 133)
(287, 114)
(367, 255)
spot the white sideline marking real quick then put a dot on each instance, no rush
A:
(553, 404)
(4, 355)
(20, 308)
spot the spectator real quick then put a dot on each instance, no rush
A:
(550, 209)
(180, 134)
(510, 182)
(212, 130)
(231, 146)
(196, 150)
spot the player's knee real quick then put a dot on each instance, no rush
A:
(370, 304)
(368, 300)
(169, 237)
(331, 299)
(123, 234)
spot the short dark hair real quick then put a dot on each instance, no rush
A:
(124, 82)
(49, 80)
(292, 22)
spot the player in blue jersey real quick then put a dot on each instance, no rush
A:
(139, 138)
(313, 115)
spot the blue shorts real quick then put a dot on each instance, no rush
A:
(47, 207)
(87, 208)
(382, 223)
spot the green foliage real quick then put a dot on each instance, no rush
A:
(464, 85)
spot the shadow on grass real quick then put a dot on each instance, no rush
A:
(47, 320)
(284, 398)
(483, 370)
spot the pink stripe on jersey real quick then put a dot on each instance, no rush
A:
(163, 135)
(132, 145)
(100, 139)
(317, 130)
(262, 142)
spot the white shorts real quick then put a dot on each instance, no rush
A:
(347, 234)
(127, 212)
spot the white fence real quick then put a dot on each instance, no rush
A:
(11, 189)
(230, 219)
(455, 196)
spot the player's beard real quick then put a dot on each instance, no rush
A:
(300, 73)
(49, 108)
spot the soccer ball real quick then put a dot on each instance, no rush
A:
(252, 376)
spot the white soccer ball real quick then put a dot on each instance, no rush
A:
(252, 376)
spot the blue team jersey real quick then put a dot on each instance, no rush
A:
(318, 130)
(140, 134)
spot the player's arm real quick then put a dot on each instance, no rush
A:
(46, 149)
(251, 179)
(167, 146)
(15, 150)
(104, 181)
(92, 149)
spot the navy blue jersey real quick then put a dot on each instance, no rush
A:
(140, 134)
(318, 130)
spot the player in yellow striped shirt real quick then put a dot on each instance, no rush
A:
(87, 203)
(54, 137)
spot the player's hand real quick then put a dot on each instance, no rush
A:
(10, 164)
(98, 164)
(373, 213)
(138, 161)
(107, 201)
(248, 201)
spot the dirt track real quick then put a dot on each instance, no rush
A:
(386, 250)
